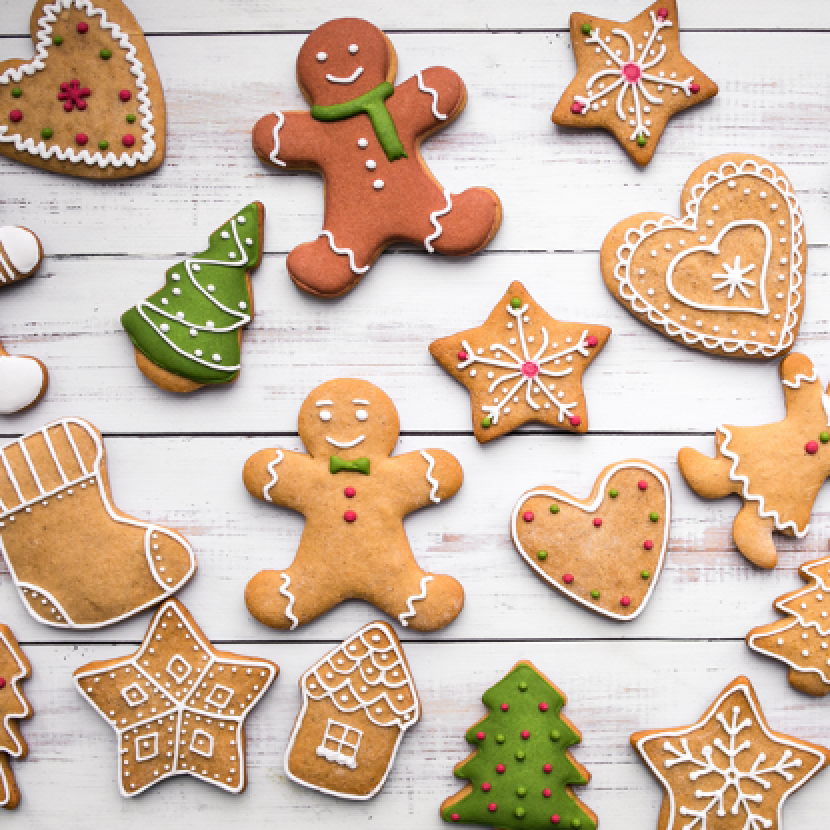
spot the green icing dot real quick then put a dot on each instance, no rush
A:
(586, 29)
(486, 422)
(576, 822)
(500, 739)
(554, 508)
(521, 792)
(17, 92)
(613, 493)
(522, 686)
(554, 735)
(57, 40)
(105, 54)
(543, 554)
(641, 141)
(520, 755)
(515, 303)
(46, 132)
(824, 437)
(102, 145)
(130, 118)
(519, 812)
(655, 517)
(645, 574)
(595, 594)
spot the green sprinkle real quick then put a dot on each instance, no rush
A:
(613, 493)
(586, 29)
(500, 739)
(595, 594)
(641, 141)
(554, 508)
(46, 132)
(576, 822)
(105, 54)
(824, 437)
(543, 554)
(522, 686)
(554, 736)
(519, 812)
(520, 755)
(17, 92)
(645, 574)
(655, 517)
(102, 145)
(521, 792)
(131, 119)
(515, 303)
(57, 40)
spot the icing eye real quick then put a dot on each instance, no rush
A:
(321, 56)
(361, 415)
(353, 49)
(325, 415)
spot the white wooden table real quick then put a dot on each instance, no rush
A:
(224, 63)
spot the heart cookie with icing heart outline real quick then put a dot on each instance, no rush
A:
(606, 551)
(90, 102)
(728, 276)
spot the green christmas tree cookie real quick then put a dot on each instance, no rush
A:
(188, 334)
(521, 772)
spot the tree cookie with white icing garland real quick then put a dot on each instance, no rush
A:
(90, 103)
(631, 78)
(364, 135)
(606, 551)
(358, 703)
(354, 495)
(521, 365)
(14, 667)
(728, 276)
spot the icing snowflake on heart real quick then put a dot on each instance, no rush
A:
(734, 277)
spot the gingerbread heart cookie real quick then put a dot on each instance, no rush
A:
(606, 551)
(728, 276)
(90, 103)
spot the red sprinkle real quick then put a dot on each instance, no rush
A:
(625, 602)
(648, 544)
(543, 707)
(597, 522)
(462, 355)
(128, 140)
(547, 768)
(643, 485)
(528, 515)
(82, 28)
(349, 492)
(811, 447)
(662, 13)
(2, 682)
(554, 819)
(504, 707)
(525, 734)
(568, 579)
(575, 420)
(576, 108)
(492, 807)
(125, 95)
(15, 116)
(694, 88)
(455, 817)
(591, 341)
(350, 516)
(485, 787)
(81, 138)
(546, 793)
(500, 768)
(480, 736)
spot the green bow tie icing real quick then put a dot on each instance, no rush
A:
(373, 104)
(338, 465)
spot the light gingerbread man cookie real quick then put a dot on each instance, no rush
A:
(354, 497)
(363, 134)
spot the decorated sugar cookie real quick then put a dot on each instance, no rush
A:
(606, 551)
(14, 667)
(728, 276)
(631, 78)
(358, 702)
(177, 705)
(522, 365)
(90, 103)
(354, 495)
(363, 135)
(777, 469)
(728, 770)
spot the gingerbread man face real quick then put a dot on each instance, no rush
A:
(343, 59)
(349, 418)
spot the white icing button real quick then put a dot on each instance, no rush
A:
(196, 266)
(177, 290)
(371, 164)
(225, 235)
(232, 255)
(378, 184)
(164, 327)
(362, 143)
(193, 332)
(321, 56)
(353, 49)
(175, 277)
(240, 219)
(211, 288)
(164, 301)
(198, 352)
(248, 240)
(243, 306)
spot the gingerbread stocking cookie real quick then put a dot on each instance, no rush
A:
(354, 497)
(777, 469)
(363, 135)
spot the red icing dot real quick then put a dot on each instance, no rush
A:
(528, 515)
(81, 138)
(530, 369)
(462, 355)
(500, 768)
(2, 682)
(349, 492)
(625, 602)
(525, 734)
(350, 516)
(485, 787)
(648, 544)
(128, 140)
(504, 707)
(492, 807)
(543, 707)
(591, 341)
(576, 108)
(632, 72)
(547, 768)
(643, 485)
(568, 578)
(82, 28)
(15, 116)
(662, 12)
(125, 95)
(546, 793)
(575, 420)
(480, 736)
(455, 817)
(597, 522)
(554, 819)
(811, 447)
(694, 88)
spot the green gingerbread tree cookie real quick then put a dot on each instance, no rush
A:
(188, 334)
(521, 772)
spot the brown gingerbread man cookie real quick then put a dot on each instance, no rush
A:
(354, 497)
(363, 135)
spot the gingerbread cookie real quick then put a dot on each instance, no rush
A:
(728, 277)
(14, 667)
(521, 365)
(354, 497)
(188, 334)
(90, 103)
(521, 773)
(364, 135)
(777, 469)
(76, 559)
(606, 551)
(631, 78)
(358, 702)
(23, 380)
(802, 638)
(729, 770)
(177, 705)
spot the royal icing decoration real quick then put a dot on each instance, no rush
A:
(20, 253)
(22, 381)
(14, 668)
(266, 490)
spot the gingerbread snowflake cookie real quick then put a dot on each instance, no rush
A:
(358, 703)
(90, 103)
(728, 276)
(521, 365)
(606, 551)
(363, 135)
(777, 469)
(14, 668)
(631, 78)
(729, 770)
(354, 497)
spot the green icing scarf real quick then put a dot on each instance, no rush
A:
(372, 103)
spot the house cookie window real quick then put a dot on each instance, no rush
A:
(340, 744)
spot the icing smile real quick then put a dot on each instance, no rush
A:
(346, 445)
(333, 79)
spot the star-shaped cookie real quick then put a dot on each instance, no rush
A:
(631, 78)
(728, 771)
(177, 705)
(522, 365)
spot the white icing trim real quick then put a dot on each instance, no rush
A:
(433, 482)
(291, 600)
(44, 41)
(21, 381)
(337, 756)
(19, 747)
(22, 252)
(346, 445)
(433, 218)
(422, 595)
(635, 236)
(344, 252)
(266, 490)
(434, 93)
(592, 508)
(795, 383)
(350, 79)
(277, 127)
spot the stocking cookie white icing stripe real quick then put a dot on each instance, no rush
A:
(422, 595)
(434, 93)
(291, 599)
(433, 482)
(266, 490)
(433, 218)
(344, 252)
(274, 156)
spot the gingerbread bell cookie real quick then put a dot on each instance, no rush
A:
(363, 135)
(521, 773)
(354, 496)
(728, 770)
(358, 702)
(14, 667)
(606, 551)
(23, 380)
(76, 559)
(522, 365)
(631, 78)
(188, 334)
(177, 705)
(90, 103)
(777, 469)
(728, 276)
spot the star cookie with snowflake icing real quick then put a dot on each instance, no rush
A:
(728, 771)
(631, 78)
(522, 365)
(178, 706)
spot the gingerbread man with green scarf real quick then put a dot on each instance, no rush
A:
(363, 135)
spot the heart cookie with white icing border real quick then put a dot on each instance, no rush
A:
(90, 102)
(728, 276)
(606, 551)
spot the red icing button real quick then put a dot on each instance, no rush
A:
(349, 492)
(504, 707)
(568, 578)
(455, 817)
(463, 355)
(632, 72)
(546, 793)
(485, 787)
(576, 108)
(543, 707)
(811, 447)
(492, 807)
(525, 734)
(694, 88)
(128, 140)
(530, 369)
(125, 95)
(547, 768)
(597, 522)
(500, 768)
(662, 13)
(528, 515)
(591, 341)
(81, 138)
(648, 544)
(575, 420)
(2, 682)
(554, 819)
(643, 485)
(15, 116)
(480, 736)
(625, 602)
(350, 516)
(82, 28)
